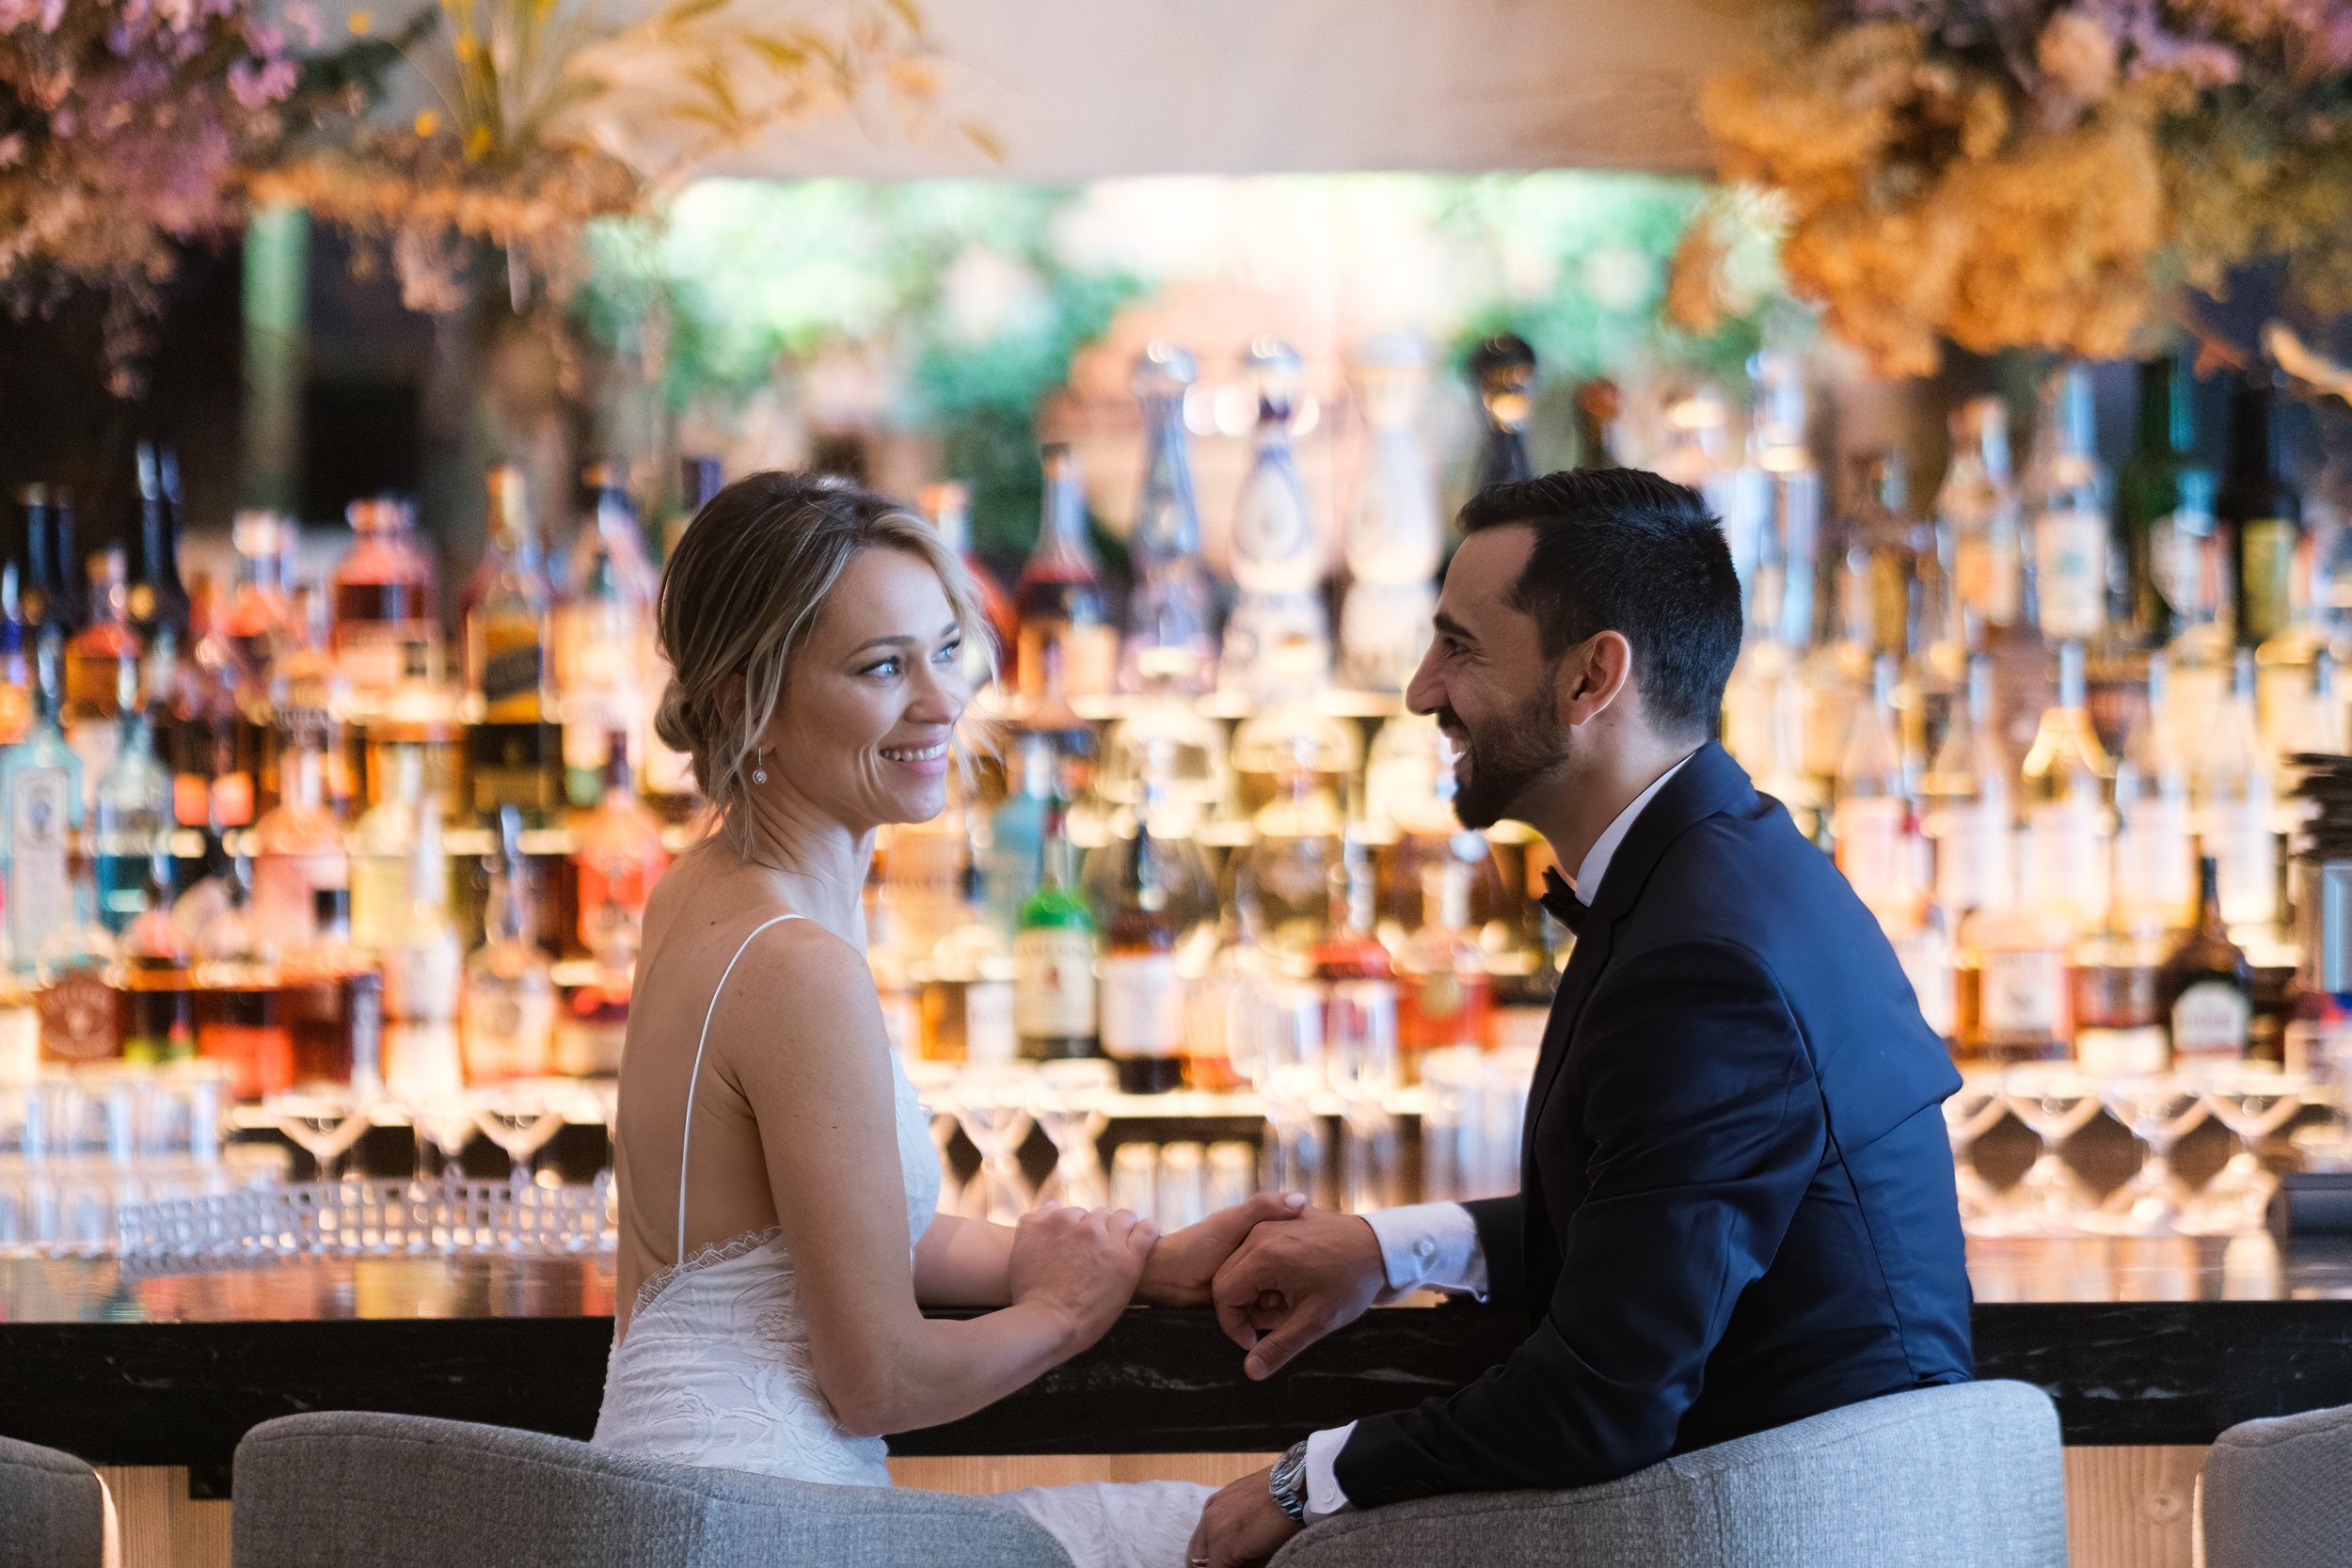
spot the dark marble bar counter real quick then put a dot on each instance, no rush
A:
(2158, 1342)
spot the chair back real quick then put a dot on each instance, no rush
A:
(54, 1512)
(365, 1491)
(2277, 1493)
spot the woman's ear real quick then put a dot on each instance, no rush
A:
(729, 695)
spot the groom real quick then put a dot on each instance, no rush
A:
(1736, 1205)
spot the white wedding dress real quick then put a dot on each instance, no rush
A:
(715, 1372)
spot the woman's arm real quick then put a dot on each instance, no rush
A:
(961, 1262)
(821, 1093)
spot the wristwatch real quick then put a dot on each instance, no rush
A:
(1289, 1483)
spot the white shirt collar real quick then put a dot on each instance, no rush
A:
(1604, 850)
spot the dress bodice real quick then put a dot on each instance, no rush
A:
(715, 1369)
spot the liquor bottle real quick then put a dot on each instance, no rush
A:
(1877, 837)
(299, 852)
(1280, 633)
(333, 1000)
(1352, 950)
(2151, 891)
(2234, 799)
(2162, 528)
(1142, 1004)
(96, 658)
(1018, 829)
(2202, 652)
(1359, 983)
(238, 1017)
(386, 629)
(208, 738)
(603, 634)
(156, 599)
(1879, 529)
(2119, 1028)
(1059, 595)
(1835, 673)
(1779, 512)
(948, 508)
(507, 611)
(1171, 616)
(1979, 502)
(965, 994)
(1052, 955)
(620, 858)
(2286, 666)
(71, 961)
(423, 964)
(2262, 512)
(41, 784)
(52, 589)
(2065, 798)
(509, 1018)
(1968, 811)
(1935, 678)
(2071, 530)
(1447, 998)
(152, 975)
(259, 623)
(1394, 537)
(383, 852)
(1281, 883)
(309, 702)
(130, 816)
(1503, 374)
(2013, 1000)
(2205, 988)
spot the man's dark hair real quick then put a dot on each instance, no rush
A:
(1618, 549)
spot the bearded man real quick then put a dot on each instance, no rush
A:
(1736, 1206)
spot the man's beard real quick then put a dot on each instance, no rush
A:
(1504, 757)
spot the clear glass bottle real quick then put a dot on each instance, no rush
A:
(2064, 793)
(506, 610)
(620, 858)
(1052, 955)
(1281, 883)
(509, 1016)
(423, 962)
(2070, 532)
(1969, 808)
(333, 1000)
(41, 787)
(299, 852)
(1018, 828)
(2152, 887)
(1393, 536)
(1876, 834)
(1280, 634)
(1142, 999)
(96, 660)
(2203, 651)
(1779, 511)
(130, 816)
(2236, 797)
(1060, 596)
(1837, 669)
(386, 630)
(383, 848)
(1170, 643)
(309, 702)
(603, 634)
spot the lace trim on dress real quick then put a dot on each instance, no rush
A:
(718, 1252)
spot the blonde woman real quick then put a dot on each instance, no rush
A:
(776, 1175)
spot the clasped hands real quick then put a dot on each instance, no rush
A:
(1291, 1276)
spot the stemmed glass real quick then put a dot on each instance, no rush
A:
(2252, 1099)
(1365, 1072)
(1070, 1103)
(1970, 1112)
(992, 1107)
(324, 1121)
(519, 1118)
(934, 1085)
(2055, 1103)
(2158, 1107)
(1283, 1022)
(444, 1124)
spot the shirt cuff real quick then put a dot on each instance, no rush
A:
(1324, 1496)
(1430, 1245)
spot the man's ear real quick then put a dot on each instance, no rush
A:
(1589, 677)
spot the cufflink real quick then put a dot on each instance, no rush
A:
(1426, 1248)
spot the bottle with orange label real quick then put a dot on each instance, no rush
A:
(1445, 994)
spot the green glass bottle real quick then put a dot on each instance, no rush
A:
(2162, 507)
(1052, 955)
(2264, 511)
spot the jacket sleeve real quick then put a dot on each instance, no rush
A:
(1503, 1241)
(1706, 1126)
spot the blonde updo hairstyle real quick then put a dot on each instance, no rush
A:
(740, 595)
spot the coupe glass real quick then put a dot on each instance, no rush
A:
(993, 1103)
(2252, 1099)
(1070, 1104)
(519, 1118)
(324, 1121)
(2055, 1103)
(2158, 1107)
(1365, 1072)
(934, 1085)
(444, 1125)
(1970, 1112)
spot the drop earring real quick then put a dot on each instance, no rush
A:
(759, 767)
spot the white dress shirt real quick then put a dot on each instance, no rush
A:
(1435, 1245)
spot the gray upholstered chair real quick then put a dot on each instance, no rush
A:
(2278, 1493)
(54, 1513)
(355, 1490)
(1960, 1476)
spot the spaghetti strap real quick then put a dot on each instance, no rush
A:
(686, 1141)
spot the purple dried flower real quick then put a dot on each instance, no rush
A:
(257, 84)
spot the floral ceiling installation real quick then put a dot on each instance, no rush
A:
(2029, 174)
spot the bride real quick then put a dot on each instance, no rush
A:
(776, 1175)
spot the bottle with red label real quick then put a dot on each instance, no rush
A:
(620, 858)
(386, 629)
(1445, 994)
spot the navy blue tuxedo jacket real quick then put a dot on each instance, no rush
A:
(1736, 1204)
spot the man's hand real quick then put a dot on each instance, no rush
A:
(1183, 1262)
(1241, 1526)
(1292, 1284)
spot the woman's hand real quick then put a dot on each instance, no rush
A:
(1082, 1264)
(1183, 1262)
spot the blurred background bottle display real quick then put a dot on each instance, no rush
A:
(1279, 638)
(1393, 536)
(1502, 375)
(1064, 616)
(1170, 643)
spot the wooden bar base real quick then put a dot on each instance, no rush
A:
(2125, 1508)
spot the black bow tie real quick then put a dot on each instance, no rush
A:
(1560, 901)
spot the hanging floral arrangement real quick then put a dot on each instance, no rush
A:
(544, 121)
(124, 127)
(2019, 174)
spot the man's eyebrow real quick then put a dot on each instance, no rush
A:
(1452, 627)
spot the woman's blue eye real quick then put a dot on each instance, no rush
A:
(948, 654)
(887, 666)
